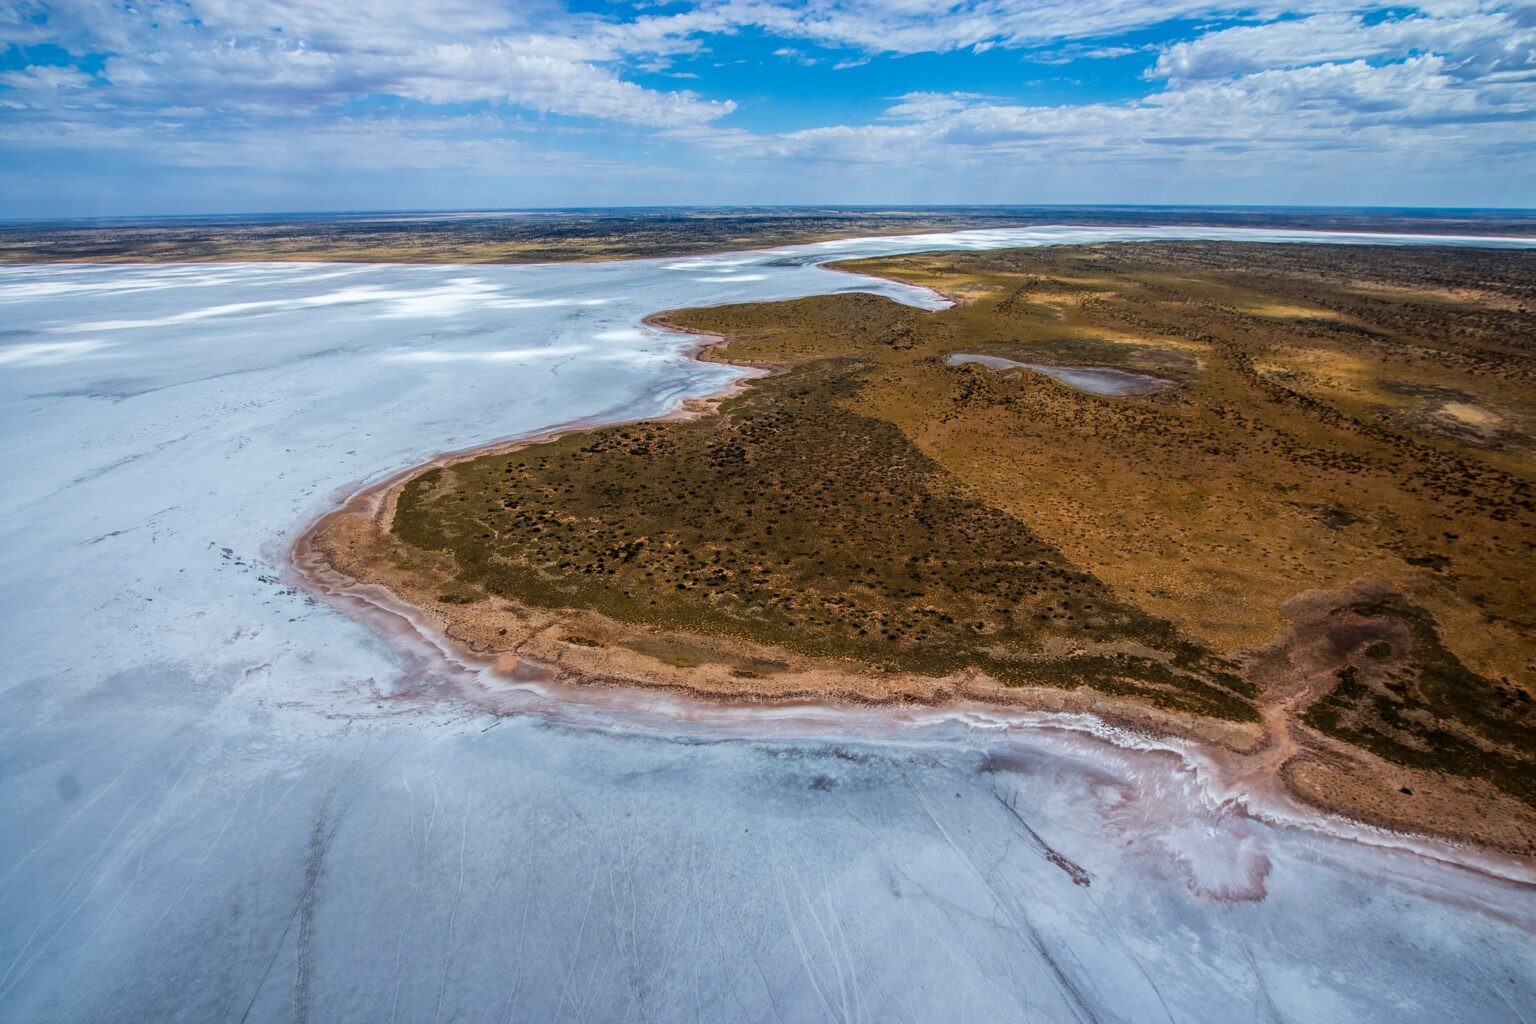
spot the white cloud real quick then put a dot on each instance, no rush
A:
(926, 106)
(274, 57)
(919, 26)
(45, 78)
(1437, 87)
(271, 86)
(1419, 106)
(796, 56)
(1480, 41)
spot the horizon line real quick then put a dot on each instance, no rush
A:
(406, 212)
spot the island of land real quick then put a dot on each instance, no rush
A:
(1275, 498)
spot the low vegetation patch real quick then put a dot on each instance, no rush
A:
(869, 504)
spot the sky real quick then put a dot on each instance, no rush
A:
(136, 107)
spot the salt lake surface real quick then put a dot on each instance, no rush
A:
(223, 800)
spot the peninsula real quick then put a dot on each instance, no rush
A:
(1276, 498)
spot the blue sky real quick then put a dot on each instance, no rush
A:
(201, 106)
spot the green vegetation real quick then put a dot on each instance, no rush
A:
(1431, 711)
(790, 520)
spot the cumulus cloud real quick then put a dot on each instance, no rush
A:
(45, 79)
(1353, 119)
(489, 84)
(1479, 42)
(1436, 87)
(270, 56)
(916, 26)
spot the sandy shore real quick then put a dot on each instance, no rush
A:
(351, 557)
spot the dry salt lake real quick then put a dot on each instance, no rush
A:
(227, 800)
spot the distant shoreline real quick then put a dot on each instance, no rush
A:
(585, 236)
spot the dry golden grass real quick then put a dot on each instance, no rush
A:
(1324, 434)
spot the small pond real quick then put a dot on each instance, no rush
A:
(1100, 380)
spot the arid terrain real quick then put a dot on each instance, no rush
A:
(626, 233)
(1307, 538)
(533, 237)
(242, 784)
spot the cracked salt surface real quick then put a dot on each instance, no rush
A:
(224, 801)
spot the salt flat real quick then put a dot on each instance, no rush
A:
(227, 801)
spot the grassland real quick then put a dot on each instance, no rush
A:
(1326, 525)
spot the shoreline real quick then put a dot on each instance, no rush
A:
(151, 260)
(1362, 236)
(494, 686)
(1274, 763)
(487, 685)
